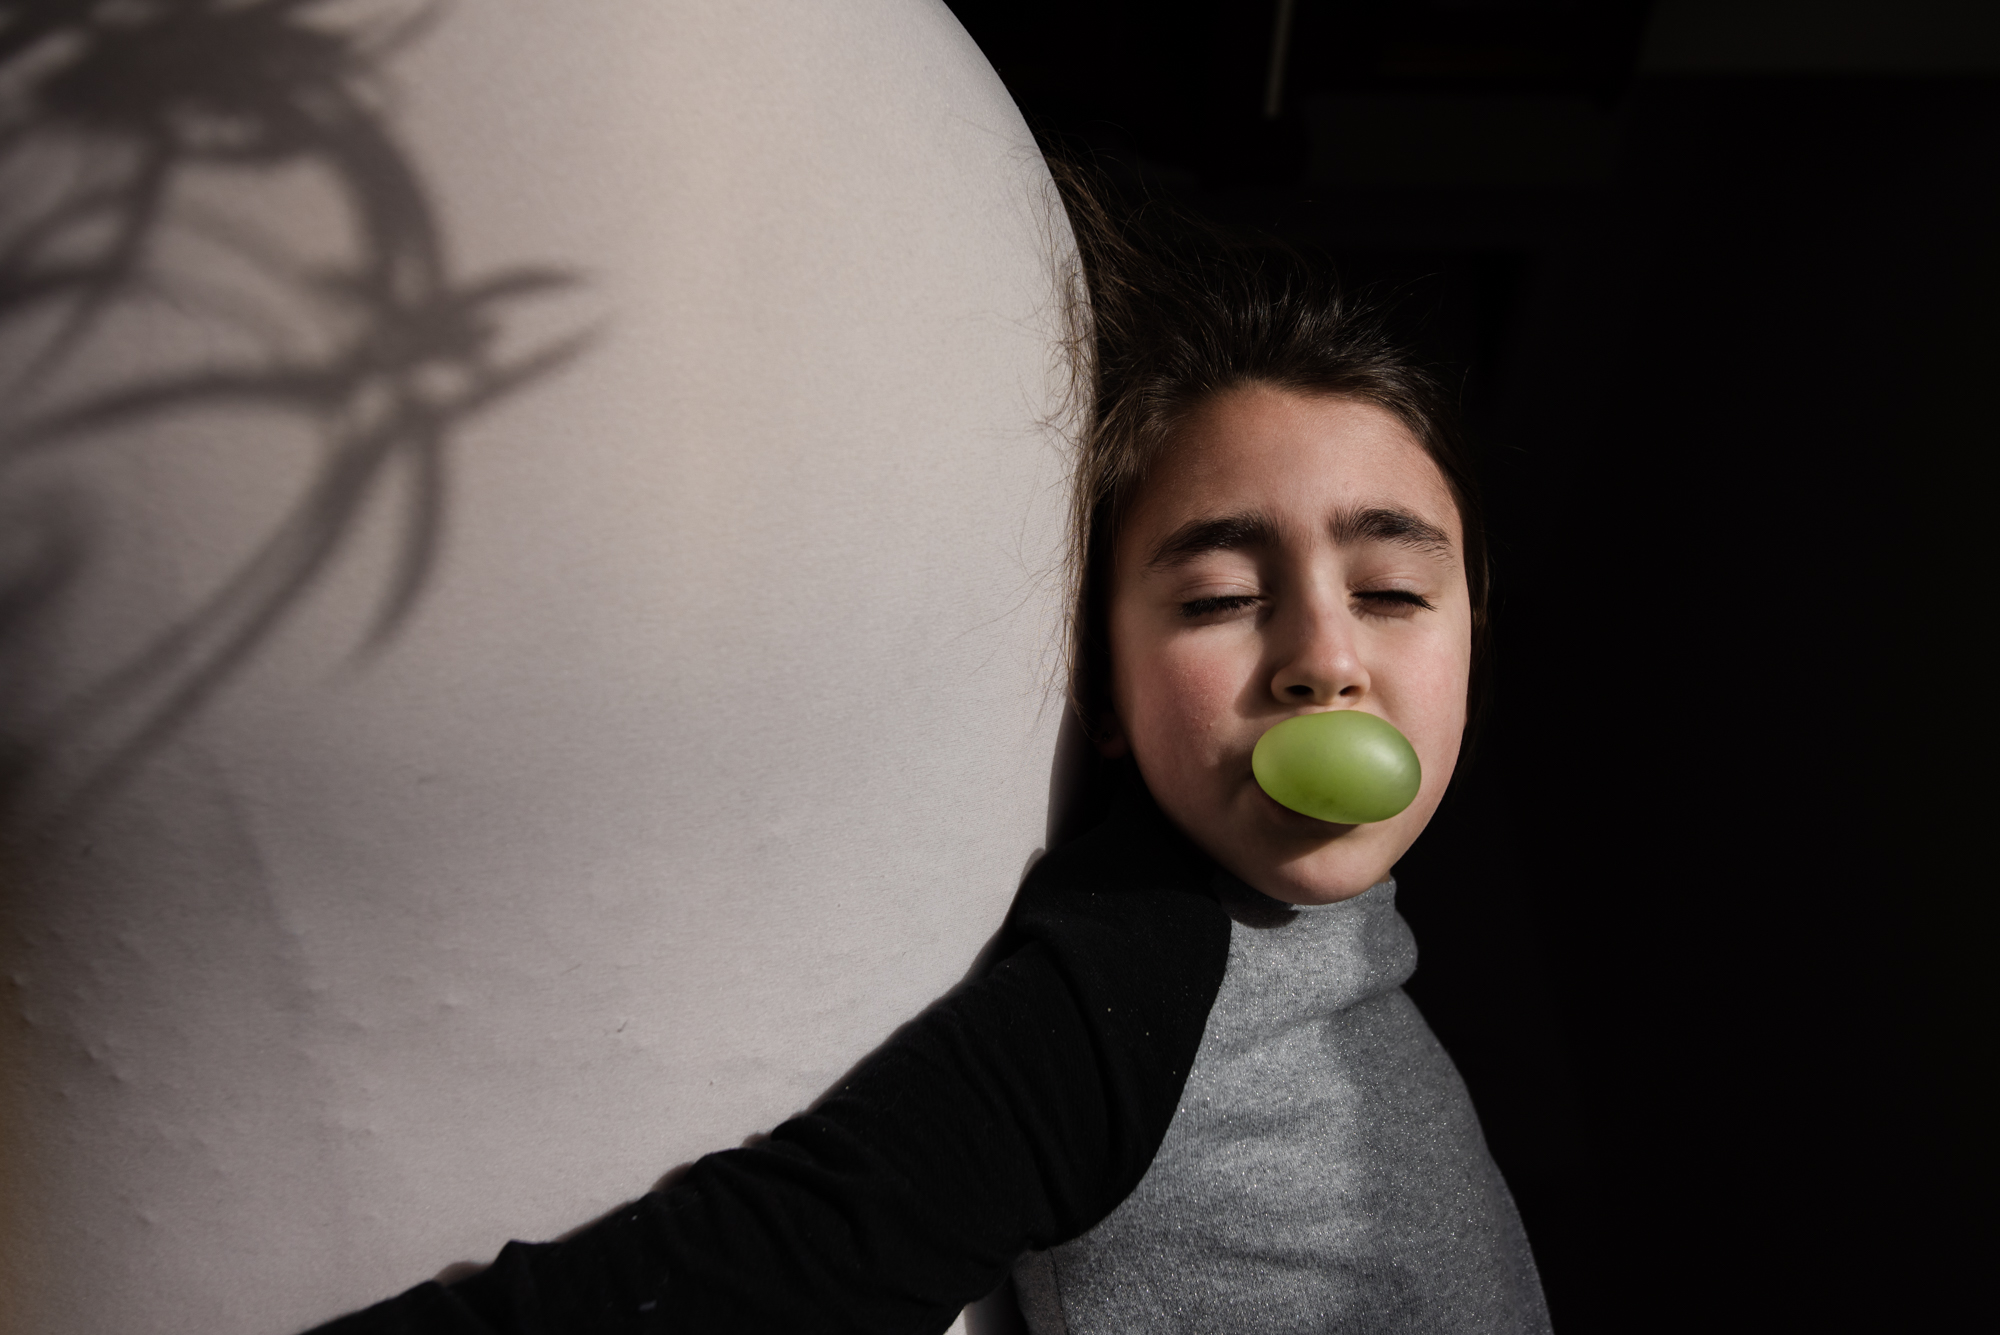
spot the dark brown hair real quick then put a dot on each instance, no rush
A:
(1164, 314)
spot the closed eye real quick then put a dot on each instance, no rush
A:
(1201, 607)
(1394, 599)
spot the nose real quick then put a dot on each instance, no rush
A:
(1321, 662)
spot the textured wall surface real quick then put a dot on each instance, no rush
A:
(708, 346)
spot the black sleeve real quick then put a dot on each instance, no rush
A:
(1015, 1113)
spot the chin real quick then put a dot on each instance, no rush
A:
(1282, 853)
(1298, 859)
(1330, 874)
(1303, 860)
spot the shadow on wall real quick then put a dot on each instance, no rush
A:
(113, 115)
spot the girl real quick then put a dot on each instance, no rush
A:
(1189, 1095)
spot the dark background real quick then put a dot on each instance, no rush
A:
(1704, 923)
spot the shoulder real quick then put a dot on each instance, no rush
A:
(1128, 918)
(1133, 871)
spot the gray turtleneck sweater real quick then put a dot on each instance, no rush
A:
(1324, 1169)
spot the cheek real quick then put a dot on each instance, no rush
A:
(1433, 687)
(1178, 698)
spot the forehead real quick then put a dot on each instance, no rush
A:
(1295, 457)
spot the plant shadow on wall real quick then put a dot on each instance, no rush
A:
(115, 119)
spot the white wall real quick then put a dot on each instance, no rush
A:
(713, 749)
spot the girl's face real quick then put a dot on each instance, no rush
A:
(1289, 554)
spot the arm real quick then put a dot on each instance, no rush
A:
(1015, 1113)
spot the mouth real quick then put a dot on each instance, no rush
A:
(1296, 820)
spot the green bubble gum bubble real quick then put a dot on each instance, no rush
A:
(1340, 765)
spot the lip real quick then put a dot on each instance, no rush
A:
(1297, 820)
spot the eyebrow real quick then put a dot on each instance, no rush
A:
(1224, 534)
(1375, 523)
(1398, 528)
